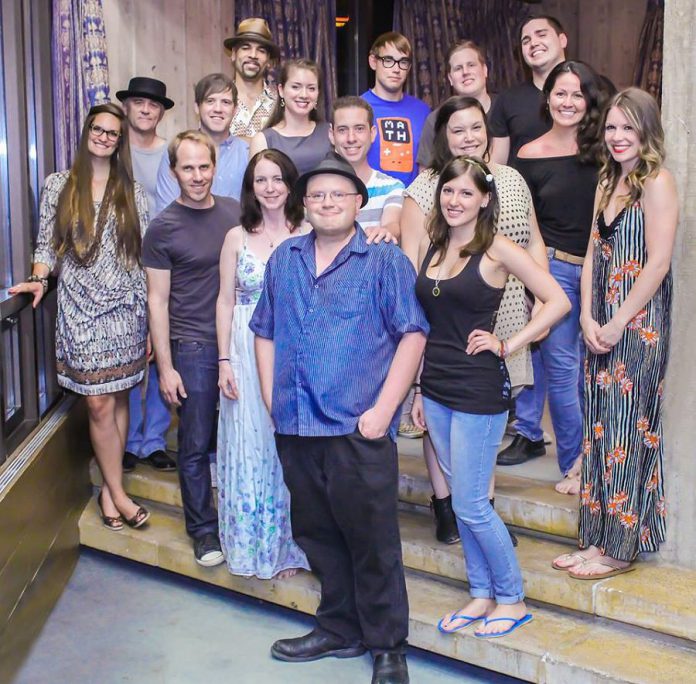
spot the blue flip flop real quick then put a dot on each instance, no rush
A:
(468, 620)
(515, 624)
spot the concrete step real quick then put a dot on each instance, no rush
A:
(520, 501)
(653, 596)
(556, 648)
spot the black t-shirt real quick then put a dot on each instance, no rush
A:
(517, 114)
(563, 191)
(187, 242)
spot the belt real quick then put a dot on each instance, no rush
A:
(554, 253)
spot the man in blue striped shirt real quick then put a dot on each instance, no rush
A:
(339, 336)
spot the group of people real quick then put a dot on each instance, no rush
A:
(286, 282)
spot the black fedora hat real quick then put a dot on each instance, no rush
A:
(332, 163)
(142, 86)
(256, 30)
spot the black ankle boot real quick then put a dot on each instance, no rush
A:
(446, 524)
(513, 538)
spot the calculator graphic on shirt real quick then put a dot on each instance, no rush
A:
(395, 144)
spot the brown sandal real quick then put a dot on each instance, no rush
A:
(613, 566)
(114, 523)
(142, 515)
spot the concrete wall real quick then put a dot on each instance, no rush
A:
(679, 117)
(176, 41)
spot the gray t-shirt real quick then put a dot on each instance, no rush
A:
(187, 242)
(145, 166)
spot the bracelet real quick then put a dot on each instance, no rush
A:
(225, 358)
(33, 278)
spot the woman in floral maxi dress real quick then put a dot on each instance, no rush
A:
(626, 296)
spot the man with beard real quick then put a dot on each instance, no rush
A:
(144, 102)
(252, 52)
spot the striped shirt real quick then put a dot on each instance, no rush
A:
(335, 334)
(383, 191)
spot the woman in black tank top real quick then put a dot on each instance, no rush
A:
(464, 382)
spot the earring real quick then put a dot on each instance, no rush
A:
(282, 102)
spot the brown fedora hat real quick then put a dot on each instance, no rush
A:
(256, 30)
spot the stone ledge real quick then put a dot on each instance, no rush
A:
(556, 648)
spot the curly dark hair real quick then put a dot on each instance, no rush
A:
(251, 210)
(441, 151)
(596, 90)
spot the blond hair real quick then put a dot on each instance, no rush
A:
(643, 113)
(194, 136)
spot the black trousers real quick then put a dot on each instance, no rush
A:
(344, 493)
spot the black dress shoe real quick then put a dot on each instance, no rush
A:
(520, 451)
(314, 646)
(390, 668)
(161, 460)
(129, 462)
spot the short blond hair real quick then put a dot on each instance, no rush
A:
(194, 136)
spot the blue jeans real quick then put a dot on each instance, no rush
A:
(557, 370)
(466, 445)
(197, 364)
(147, 429)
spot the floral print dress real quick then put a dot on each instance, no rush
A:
(253, 501)
(622, 503)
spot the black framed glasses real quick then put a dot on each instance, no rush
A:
(388, 61)
(98, 131)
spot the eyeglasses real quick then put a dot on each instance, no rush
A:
(335, 195)
(388, 61)
(98, 131)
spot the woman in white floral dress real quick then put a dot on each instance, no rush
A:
(253, 501)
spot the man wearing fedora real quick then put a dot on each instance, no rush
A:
(252, 52)
(328, 296)
(144, 102)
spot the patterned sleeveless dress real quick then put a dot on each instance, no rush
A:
(622, 503)
(253, 501)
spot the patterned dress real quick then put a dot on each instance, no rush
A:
(101, 323)
(253, 501)
(513, 223)
(622, 503)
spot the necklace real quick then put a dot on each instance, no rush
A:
(436, 287)
(271, 243)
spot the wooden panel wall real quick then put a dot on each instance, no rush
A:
(176, 41)
(604, 34)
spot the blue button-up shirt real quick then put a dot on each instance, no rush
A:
(334, 334)
(232, 160)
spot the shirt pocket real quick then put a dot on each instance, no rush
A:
(348, 302)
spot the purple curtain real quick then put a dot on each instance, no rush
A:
(80, 70)
(647, 73)
(432, 27)
(301, 28)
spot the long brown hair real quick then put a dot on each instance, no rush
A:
(278, 113)
(77, 230)
(484, 232)
(643, 113)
